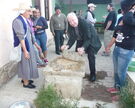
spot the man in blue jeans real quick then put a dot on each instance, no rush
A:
(124, 39)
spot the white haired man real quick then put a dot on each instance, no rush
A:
(87, 40)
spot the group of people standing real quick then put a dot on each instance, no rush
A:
(30, 33)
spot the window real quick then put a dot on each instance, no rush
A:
(99, 1)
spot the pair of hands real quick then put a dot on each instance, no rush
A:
(37, 27)
(79, 50)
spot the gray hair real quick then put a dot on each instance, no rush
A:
(72, 15)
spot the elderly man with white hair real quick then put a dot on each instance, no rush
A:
(87, 40)
(27, 67)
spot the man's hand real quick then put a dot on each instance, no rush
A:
(53, 34)
(64, 47)
(81, 51)
(26, 55)
(65, 32)
(38, 27)
(107, 49)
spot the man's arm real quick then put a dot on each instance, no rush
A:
(108, 25)
(66, 24)
(52, 25)
(72, 37)
(90, 18)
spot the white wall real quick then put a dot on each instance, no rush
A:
(7, 14)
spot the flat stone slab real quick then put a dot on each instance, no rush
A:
(65, 67)
(66, 74)
(68, 87)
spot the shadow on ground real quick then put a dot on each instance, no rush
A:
(96, 91)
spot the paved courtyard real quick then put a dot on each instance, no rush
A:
(92, 93)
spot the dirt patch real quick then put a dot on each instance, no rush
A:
(96, 91)
(100, 75)
(62, 63)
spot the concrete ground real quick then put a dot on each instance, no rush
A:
(92, 93)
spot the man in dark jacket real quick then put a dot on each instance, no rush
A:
(87, 40)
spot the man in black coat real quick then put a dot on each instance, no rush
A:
(87, 40)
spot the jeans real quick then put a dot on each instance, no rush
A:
(121, 59)
(38, 59)
(59, 39)
(42, 40)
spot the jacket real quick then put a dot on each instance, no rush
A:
(88, 35)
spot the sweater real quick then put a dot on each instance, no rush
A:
(58, 22)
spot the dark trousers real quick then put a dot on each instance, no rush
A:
(59, 39)
(91, 57)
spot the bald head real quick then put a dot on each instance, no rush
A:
(72, 19)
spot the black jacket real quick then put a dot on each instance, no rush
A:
(88, 35)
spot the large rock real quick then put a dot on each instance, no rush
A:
(66, 74)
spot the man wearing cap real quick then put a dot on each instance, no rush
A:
(58, 26)
(90, 17)
(27, 67)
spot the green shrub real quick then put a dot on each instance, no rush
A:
(127, 97)
(49, 98)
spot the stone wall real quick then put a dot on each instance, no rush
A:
(7, 72)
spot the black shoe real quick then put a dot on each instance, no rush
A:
(92, 78)
(30, 81)
(31, 86)
(58, 53)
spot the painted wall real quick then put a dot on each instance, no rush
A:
(6, 38)
(100, 10)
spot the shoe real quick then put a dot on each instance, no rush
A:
(58, 53)
(41, 65)
(31, 86)
(45, 60)
(30, 81)
(92, 78)
(112, 90)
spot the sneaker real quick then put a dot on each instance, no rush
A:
(39, 65)
(112, 90)
(45, 60)
(115, 98)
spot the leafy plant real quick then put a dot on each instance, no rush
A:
(127, 97)
(49, 98)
